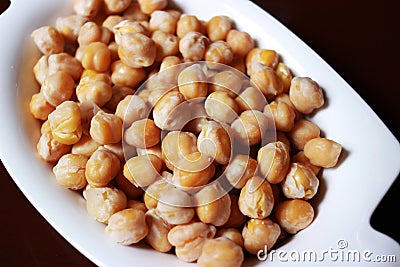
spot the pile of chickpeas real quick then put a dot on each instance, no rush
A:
(178, 132)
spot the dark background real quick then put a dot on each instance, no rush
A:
(357, 38)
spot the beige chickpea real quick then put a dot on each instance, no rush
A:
(189, 239)
(45, 127)
(250, 127)
(137, 50)
(250, 98)
(258, 234)
(198, 118)
(167, 44)
(41, 69)
(240, 42)
(126, 76)
(85, 146)
(65, 62)
(157, 236)
(300, 182)
(305, 94)
(294, 215)
(117, 149)
(188, 23)
(96, 56)
(111, 21)
(236, 217)
(281, 114)
(49, 149)
(286, 76)
(91, 32)
(300, 157)
(169, 61)
(302, 132)
(137, 205)
(130, 190)
(87, 8)
(39, 107)
(153, 191)
(58, 87)
(273, 161)
(232, 234)
(128, 26)
(284, 97)
(69, 26)
(161, 20)
(119, 92)
(256, 199)
(65, 123)
(221, 107)
(155, 150)
(226, 81)
(102, 167)
(219, 52)
(240, 169)
(177, 145)
(116, 6)
(106, 128)
(268, 82)
(143, 134)
(132, 108)
(192, 83)
(142, 170)
(48, 40)
(133, 12)
(149, 6)
(103, 202)
(127, 227)
(213, 204)
(70, 171)
(218, 27)
(257, 58)
(193, 46)
(222, 252)
(322, 152)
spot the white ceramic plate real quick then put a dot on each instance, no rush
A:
(349, 193)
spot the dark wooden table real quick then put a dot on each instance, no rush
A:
(357, 38)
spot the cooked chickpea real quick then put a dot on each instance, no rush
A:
(294, 215)
(102, 167)
(250, 98)
(91, 32)
(128, 26)
(49, 149)
(48, 40)
(103, 202)
(127, 226)
(192, 83)
(142, 170)
(240, 169)
(232, 234)
(41, 69)
(240, 42)
(281, 114)
(258, 234)
(130, 190)
(70, 171)
(250, 127)
(96, 56)
(45, 127)
(222, 252)
(119, 92)
(153, 191)
(87, 8)
(142, 134)
(213, 204)
(69, 26)
(193, 46)
(155, 150)
(219, 52)
(132, 108)
(268, 82)
(221, 107)
(199, 118)
(188, 239)
(167, 44)
(137, 205)
(106, 128)
(286, 76)
(149, 6)
(169, 61)
(133, 12)
(258, 58)
(322, 152)
(137, 50)
(117, 149)
(85, 146)
(116, 6)
(58, 87)
(157, 236)
(164, 21)
(111, 21)
(39, 107)
(300, 182)
(226, 81)
(300, 157)
(302, 132)
(305, 94)
(188, 23)
(273, 161)
(177, 145)
(65, 123)
(218, 27)
(65, 62)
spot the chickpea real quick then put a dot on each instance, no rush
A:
(226, 81)
(268, 82)
(39, 107)
(57, 88)
(149, 6)
(250, 99)
(49, 149)
(221, 107)
(240, 42)
(69, 26)
(87, 8)
(302, 132)
(96, 56)
(128, 26)
(65, 62)
(219, 52)
(169, 61)
(281, 114)
(250, 127)
(284, 97)
(143, 134)
(126, 76)
(111, 21)
(70, 171)
(300, 182)
(106, 128)
(130, 190)
(164, 21)
(137, 50)
(188, 239)
(240, 169)
(199, 118)
(258, 234)
(85, 146)
(218, 27)
(117, 149)
(119, 92)
(286, 76)
(273, 161)
(167, 44)
(41, 69)
(157, 236)
(176, 145)
(256, 199)
(45, 127)
(155, 150)
(103, 202)
(322, 152)
(174, 206)
(222, 252)
(231, 234)
(137, 205)
(193, 45)
(239, 64)
(192, 83)
(171, 111)
(102, 167)
(142, 170)
(65, 123)
(257, 58)
(91, 32)
(153, 193)
(116, 6)
(127, 226)
(305, 94)
(48, 40)
(133, 12)
(300, 157)
(214, 141)
(132, 108)
(193, 170)
(213, 204)
(188, 23)
(294, 215)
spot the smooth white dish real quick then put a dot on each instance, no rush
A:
(348, 195)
